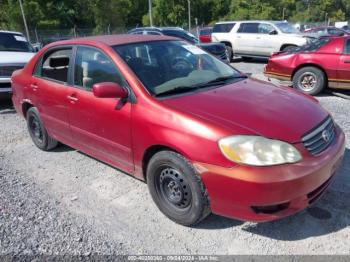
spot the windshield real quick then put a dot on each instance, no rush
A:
(14, 42)
(164, 66)
(287, 28)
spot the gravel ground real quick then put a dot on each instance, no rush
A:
(65, 202)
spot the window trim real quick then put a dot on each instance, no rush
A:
(47, 52)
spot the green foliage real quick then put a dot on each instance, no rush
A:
(119, 15)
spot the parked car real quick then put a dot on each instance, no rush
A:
(314, 67)
(325, 31)
(257, 38)
(15, 52)
(216, 49)
(202, 135)
(205, 34)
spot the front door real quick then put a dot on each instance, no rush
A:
(99, 127)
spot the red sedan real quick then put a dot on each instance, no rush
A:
(203, 136)
(323, 63)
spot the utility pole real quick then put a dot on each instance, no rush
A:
(189, 15)
(325, 18)
(24, 20)
(150, 12)
(284, 9)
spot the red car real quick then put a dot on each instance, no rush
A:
(327, 30)
(205, 34)
(323, 63)
(203, 136)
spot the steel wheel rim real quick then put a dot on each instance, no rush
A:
(35, 129)
(174, 189)
(308, 81)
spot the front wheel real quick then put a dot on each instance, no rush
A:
(37, 131)
(176, 188)
(309, 80)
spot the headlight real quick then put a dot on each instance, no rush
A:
(258, 151)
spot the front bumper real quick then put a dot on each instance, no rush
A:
(5, 85)
(269, 193)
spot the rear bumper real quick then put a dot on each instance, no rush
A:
(269, 193)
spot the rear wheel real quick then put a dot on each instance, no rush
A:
(176, 188)
(37, 131)
(309, 80)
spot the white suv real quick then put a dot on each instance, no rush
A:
(15, 52)
(257, 38)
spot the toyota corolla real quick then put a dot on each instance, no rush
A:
(205, 137)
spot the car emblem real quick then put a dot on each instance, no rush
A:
(326, 135)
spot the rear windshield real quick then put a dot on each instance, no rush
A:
(223, 28)
(14, 42)
(314, 45)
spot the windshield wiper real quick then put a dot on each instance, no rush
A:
(217, 81)
(176, 90)
(220, 80)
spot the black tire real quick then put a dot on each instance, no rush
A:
(309, 80)
(288, 48)
(37, 131)
(177, 189)
(229, 52)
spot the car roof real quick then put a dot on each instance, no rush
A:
(112, 40)
(11, 32)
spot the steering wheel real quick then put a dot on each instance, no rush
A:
(181, 65)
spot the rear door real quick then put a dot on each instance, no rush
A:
(49, 88)
(245, 39)
(343, 73)
(100, 126)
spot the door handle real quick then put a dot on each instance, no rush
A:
(258, 37)
(347, 61)
(238, 37)
(34, 87)
(72, 98)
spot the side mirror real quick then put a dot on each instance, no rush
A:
(273, 32)
(109, 90)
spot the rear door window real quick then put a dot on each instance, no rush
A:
(250, 28)
(223, 28)
(55, 65)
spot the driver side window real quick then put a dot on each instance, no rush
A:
(92, 67)
(265, 28)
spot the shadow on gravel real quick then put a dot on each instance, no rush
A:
(330, 214)
(62, 148)
(6, 107)
(250, 60)
(218, 222)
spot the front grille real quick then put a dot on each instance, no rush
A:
(319, 139)
(6, 71)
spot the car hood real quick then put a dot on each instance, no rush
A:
(257, 107)
(15, 57)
